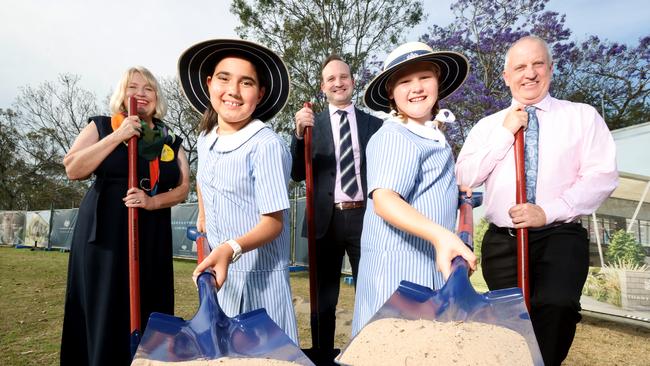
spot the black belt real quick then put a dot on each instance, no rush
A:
(513, 232)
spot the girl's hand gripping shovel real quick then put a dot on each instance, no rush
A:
(457, 301)
(210, 334)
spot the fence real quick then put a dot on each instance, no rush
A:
(53, 229)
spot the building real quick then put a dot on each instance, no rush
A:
(629, 205)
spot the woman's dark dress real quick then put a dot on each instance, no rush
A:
(96, 325)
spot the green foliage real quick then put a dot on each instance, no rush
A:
(479, 232)
(624, 248)
(304, 33)
(31, 174)
(603, 285)
(46, 121)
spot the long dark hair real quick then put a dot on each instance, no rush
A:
(210, 117)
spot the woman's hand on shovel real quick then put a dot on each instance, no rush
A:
(218, 260)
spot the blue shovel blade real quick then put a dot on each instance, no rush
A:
(210, 334)
(458, 301)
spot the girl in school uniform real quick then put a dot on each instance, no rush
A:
(407, 230)
(243, 173)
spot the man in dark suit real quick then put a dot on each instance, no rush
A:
(340, 135)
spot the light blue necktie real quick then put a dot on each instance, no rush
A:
(530, 153)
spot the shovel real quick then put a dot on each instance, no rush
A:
(134, 247)
(316, 354)
(210, 334)
(523, 280)
(457, 301)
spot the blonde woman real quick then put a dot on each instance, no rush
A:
(96, 321)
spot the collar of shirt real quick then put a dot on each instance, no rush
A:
(543, 105)
(233, 141)
(333, 109)
(428, 131)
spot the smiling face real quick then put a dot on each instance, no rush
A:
(528, 71)
(337, 83)
(415, 91)
(235, 92)
(145, 95)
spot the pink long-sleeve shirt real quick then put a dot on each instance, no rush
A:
(576, 162)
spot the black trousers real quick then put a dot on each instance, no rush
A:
(343, 236)
(558, 266)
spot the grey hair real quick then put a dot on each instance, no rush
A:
(537, 39)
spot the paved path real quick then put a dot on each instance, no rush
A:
(592, 307)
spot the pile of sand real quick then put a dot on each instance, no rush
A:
(223, 361)
(394, 341)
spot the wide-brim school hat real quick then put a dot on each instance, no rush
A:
(454, 69)
(198, 61)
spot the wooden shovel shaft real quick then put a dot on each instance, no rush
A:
(311, 224)
(200, 249)
(523, 280)
(134, 251)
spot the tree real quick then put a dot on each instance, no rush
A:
(623, 248)
(11, 165)
(181, 117)
(30, 183)
(614, 78)
(483, 31)
(58, 109)
(304, 33)
(184, 121)
(48, 119)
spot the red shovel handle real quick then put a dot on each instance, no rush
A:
(202, 246)
(523, 280)
(134, 262)
(311, 224)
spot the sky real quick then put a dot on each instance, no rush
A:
(99, 40)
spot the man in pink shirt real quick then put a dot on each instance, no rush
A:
(576, 172)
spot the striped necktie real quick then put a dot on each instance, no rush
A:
(346, 157)
(530, 153)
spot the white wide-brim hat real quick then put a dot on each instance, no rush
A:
(454, 69)
(198, 62)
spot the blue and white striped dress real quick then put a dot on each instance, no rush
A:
(242, 176)
(421, 170)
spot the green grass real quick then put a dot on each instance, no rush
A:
(478, 282)
(32, 290)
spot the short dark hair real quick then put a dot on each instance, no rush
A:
(330, 58)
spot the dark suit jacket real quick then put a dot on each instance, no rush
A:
(324, 163)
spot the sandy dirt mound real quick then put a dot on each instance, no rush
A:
(394, 341)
